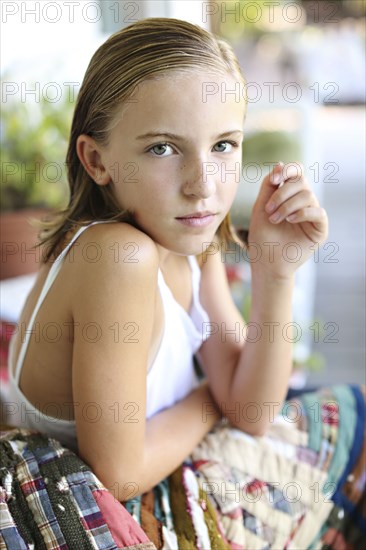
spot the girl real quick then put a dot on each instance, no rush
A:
(133, 280)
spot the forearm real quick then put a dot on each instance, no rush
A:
(172, 434)
(265, 362)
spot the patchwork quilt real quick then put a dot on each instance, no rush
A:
(300, 486)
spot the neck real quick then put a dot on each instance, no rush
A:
(167, 257)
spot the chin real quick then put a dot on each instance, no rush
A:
(192, 246)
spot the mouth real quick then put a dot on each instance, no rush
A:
(197, 219)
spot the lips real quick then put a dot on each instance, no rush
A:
(195, 215)
(197, 219)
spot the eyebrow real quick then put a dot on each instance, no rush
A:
(169, 135)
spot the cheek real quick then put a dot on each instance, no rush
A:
(230, 175)
(160, 187)
(228, 190)
(153, 197)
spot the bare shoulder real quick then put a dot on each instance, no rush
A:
(115, 242)
(118, 246)
(112, 254)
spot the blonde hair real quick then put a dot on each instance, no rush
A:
(147, 49)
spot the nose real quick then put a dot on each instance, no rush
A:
(199, 179)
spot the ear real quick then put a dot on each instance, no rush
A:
(90, 156)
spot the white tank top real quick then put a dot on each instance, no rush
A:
(170, 378)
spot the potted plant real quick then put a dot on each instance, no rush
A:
(33, 176)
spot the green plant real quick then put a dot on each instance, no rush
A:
(271, 146)
(33, 149)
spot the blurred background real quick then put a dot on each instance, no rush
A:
(304, 63)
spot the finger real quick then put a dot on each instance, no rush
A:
(316, 215)
(285, 192)
(292, 205)
(283, 172)
(276, 176)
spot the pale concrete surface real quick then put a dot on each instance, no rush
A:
(340, 289)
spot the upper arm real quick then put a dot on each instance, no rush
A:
(220, 352)
(113, 310)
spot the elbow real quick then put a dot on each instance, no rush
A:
(259, 431)
(254, 429)
(123, 487)
(127, 484)
(124, 477)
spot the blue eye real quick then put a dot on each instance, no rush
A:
(232, 143)
(160, 146)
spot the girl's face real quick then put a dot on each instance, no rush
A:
(174, 157)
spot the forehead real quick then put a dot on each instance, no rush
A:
(182, 101)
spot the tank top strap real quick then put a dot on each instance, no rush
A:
(52, 274)
(198, 313)
(196, 277)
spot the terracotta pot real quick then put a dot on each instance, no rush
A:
(17, 239)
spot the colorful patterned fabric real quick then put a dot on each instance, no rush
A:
(49, 499)
(301, 486)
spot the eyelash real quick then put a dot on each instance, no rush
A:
(165, 143)
(233, 143)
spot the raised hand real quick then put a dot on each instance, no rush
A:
(287, 222)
